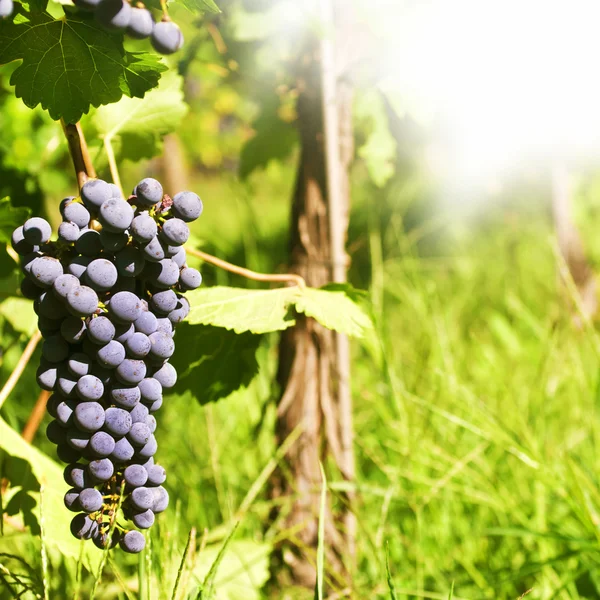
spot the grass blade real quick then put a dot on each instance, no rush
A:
(191, 537)
(451, 592)
(390, 581)
(321, 538)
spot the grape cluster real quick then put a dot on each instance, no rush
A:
(6, 8)
(108, 295)
(137, 21)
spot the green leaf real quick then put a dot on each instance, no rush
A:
(19, 313)
(10, 219)
(201, 6)
(334, 308)
(257, 311)
(273, 139)
(243, 570)
(70, 64)
(215, 362)
(31, 470)
(264, 311)
(139, 124)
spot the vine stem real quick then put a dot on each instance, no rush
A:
(80, 154)
(20, 367)
(112, 163)
(247, 273)
(36, 416)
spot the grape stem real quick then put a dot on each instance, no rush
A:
(112, 162)
(20, 367)
(35, 417)
(247, 273)
(80, 154)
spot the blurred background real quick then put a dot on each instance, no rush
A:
(475, 206)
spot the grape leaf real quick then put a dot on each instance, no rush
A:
(20, 314)
(264, 311)
(257, 311)
(139, 124)
(216, 362)
(10, 219)
(46, 473)
(201, 6)
(334, 307)
(70, 64)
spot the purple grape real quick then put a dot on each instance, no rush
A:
(148, 192)
(166, 37)
(187, 206)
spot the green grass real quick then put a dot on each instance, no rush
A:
(476, 412)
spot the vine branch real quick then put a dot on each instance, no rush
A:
(247, 273)
(80, 154)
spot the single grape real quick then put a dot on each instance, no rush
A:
(101, 469)
(156, 475)
(37, 231)
(166, 375)
(125, 307)
(78, 440)
(114, 14)
(143, 520)
(113, 242)
(133, 542)
(180, 257)
(55, 349)
(146, 323)
(115, 192)
(30, 290)
(181, 311)
(72, 500)
(162, 345)
(130, 262)
(187, 206)
(139, 434)
(142, 498)
(164, 274)
(138, 413)
(111, 355)
(148, 192)
(117, 421)
(189, 279)
(46, 376)
(48, 305)
(89, 387)
(20, 244)
(127, 397)
(83, 528)
(135, 475)
(123, 332)
(100, 330)
(101, 275)
(66, 384)
(116, 215)
(94, 192)
(75, 475)
(149, 448)
(164, 302)
(155, 405)
(82, 301)
(79, 364)
(48, 326)
(76, 213)
(55, 433)
(102, 444)
(141, 23)
(175, 232)
(150, 420)
(153, 250)
(63, 284)
(27, 261)
(131, 371)
(78, 265)
(150, 389)
(65, 410)
(101, 539)
(89, 243)
(90, 500)
(166, 37)
(68, 232)
(143, 227)
(138, 345)
(89, 416)
(161, 499)
(123, 451)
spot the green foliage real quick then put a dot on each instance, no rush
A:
(71, 64)
(215, 362)
(10, 218)
(264, 311)
(201, 6)
(137, 125)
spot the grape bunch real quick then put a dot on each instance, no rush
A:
(108, 295)
(6, 8)
(135, 20)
